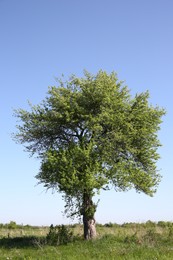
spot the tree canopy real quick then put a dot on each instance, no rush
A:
(91, 134)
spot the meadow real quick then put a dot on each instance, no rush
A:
(148, 241)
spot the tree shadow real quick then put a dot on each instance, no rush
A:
(21, 242)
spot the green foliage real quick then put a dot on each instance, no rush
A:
(170, 232)
(165, 224)
(117, 242)
(152, 237)
(59, 235)
(90, 134)
(150, 224)
(17, 242)
(131, 238)
(109, 224)
(12, 225)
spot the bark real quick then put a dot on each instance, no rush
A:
(89, 222)
(89, 228)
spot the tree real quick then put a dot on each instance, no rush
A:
(91, 134)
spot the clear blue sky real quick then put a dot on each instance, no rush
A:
(42, 39)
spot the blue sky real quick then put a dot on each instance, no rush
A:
(41, 40)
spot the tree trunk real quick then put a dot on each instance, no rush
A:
(89, 222)
(89, 228)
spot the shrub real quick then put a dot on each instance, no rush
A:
(151, 237)
(150, 224)
(59, 235)
(109, 224)
(131, 238)
(12, 225)
(170, 232)
(165, 224)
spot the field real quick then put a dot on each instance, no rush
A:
(148, 241)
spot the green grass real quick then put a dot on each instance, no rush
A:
(127, 242)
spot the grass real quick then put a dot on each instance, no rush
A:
(149, 241)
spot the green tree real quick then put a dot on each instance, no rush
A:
(91, 134)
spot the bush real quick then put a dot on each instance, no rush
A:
(151, 237)
(109, 224)
(164, 224)
(131, 239)
(12, 225)
(59, 235)
(170, 232)
(150, 224)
